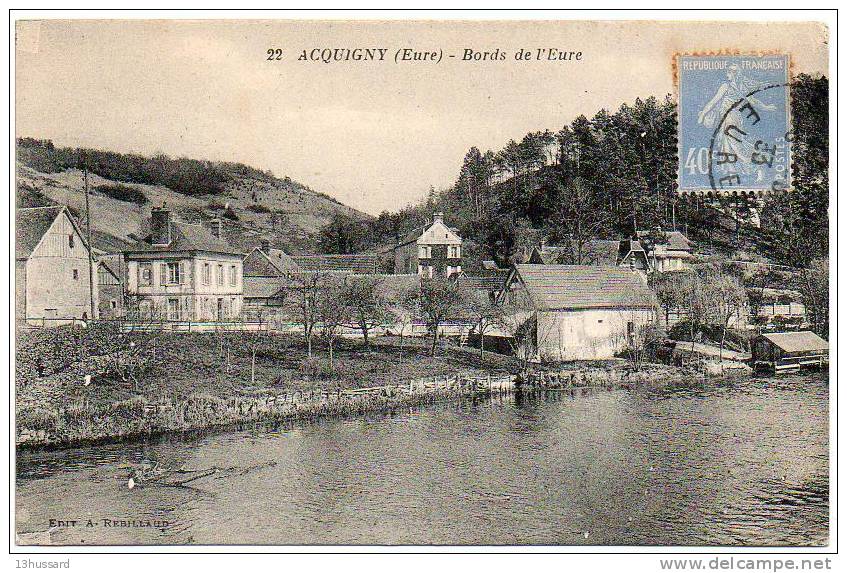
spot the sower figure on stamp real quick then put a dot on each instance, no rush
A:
(724, 103)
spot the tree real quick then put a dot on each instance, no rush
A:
(343, 235)
(333, 312)
(637, 342)
(813, 284)
(305, 288)
(404, 309)
(517, 318)
(439, 300)
(725, 299)
(368, 307)
(482, 311)
(577, 220)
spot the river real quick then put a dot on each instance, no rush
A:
(744, 463)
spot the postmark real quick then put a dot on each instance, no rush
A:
(734, 121)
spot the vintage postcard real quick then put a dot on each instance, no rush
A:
(305, 282)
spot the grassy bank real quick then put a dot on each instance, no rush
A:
(184, 382)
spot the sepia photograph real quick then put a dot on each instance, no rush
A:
(423, 282)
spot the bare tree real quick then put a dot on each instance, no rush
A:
(333, 312)
(637, 341)
(813, 284)
(439, 300)
(404, 311)
(303, 302)
(482, 311)
(518, 320)
(725, 299)
(368, 307)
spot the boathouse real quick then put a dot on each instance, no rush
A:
(781, 351)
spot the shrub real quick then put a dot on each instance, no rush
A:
(258, 208)
(123, 193)
(35, 418)
(230, 214)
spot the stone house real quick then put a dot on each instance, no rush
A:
(52, 275)
(183, 271)
(435, 250)
(571, 312)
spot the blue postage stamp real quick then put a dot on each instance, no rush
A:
(734, 124)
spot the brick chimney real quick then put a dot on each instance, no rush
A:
(438, 218)
(215, 226)
(266, 246)
(160, 226)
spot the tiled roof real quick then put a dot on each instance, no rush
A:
(262, 287)
(392, 287)
(114, 263)
(559, 287)
(273, 262)
(487, 283)
(804, 341)
(187, 237)
(597, 252)
(31, 223)
(359, 264)
(675, 240)
(414, 234)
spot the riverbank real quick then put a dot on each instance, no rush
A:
(73, 394)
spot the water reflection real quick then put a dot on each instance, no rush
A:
(736, 464)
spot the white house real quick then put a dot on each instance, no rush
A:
(578, 312)
(52, 275)
(183, 271)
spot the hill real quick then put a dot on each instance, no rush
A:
(253, 204)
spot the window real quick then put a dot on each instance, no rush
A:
(114, 304)
(220, 275)
(71, 241)
(145, 274)
(173, 309)
(171, 274)
(424, 252)
(207, 274)
(454, 253)
(233, 277)
(76, 274)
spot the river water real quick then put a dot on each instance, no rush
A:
(739, 464)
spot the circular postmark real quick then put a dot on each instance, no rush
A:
(748, 154)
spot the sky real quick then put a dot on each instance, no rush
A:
(373, 134)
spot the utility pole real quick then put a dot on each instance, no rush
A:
(90, 246)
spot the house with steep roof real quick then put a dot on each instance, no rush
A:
(600, 252)
(110, 286)
(266, 261)
(578, 312)
(594, 252)
(672, 251)
(182, 271)
(52, 275)
(433, 250)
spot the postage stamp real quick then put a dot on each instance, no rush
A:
(734, 122)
